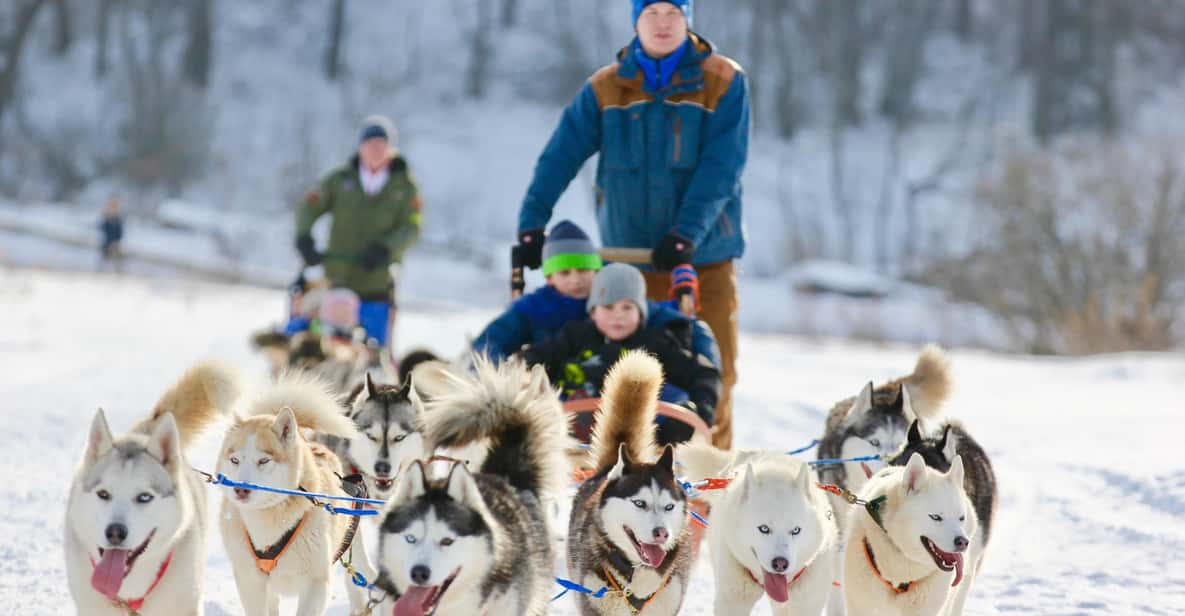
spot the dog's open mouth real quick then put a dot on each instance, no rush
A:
(423, 600)
(114, 565)
(652, 554)
(383, 484)
(947, 561)
(867, 470)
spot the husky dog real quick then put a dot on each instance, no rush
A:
(386, 417)
(136, 516)
(905, 550)
(281, 544)
(772, 531)
(875, 421)
(628, 527)
(478, 542)
(979, 482)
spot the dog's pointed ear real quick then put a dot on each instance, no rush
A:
(461, 486)
(956, 471)
(861, 405)
(915, 471)
(99, 440)
(370, 389)
(623, 464)
(540, 384)
(907, 404)
(413, 396)
(285, 426)
(950, 444)
(667, 459)
(165, 442)
(411, 484)
(748, 476)
(806, 479)
(915, 433)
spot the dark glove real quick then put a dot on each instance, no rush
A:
(308, 250)
(530, 243)
(375, 255)
(672, 251)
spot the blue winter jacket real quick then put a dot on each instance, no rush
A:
(538, 315)
(670, 161)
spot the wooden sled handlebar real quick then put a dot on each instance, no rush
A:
(665, 409)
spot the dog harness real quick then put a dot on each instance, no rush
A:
(636, 604)
(133, 605)
(896, 588)
(267, 560)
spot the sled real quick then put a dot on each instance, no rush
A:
(582, 414)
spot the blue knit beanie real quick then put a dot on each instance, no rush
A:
(568, 247)
(640, 5)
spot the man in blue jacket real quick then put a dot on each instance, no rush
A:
(670, 120)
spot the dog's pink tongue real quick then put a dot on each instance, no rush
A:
(777, 587)
(958, 569)
(108, 575)
(652, 554)
(415, 601)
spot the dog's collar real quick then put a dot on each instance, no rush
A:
(133, 605)
(635, 603)
(896, 588)
(267, 560)
(792, 580)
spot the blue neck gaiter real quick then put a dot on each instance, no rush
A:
(657, 73)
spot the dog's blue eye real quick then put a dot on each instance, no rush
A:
(935, 517)
(797, 529)
(409, 538)
(144, 497)
(763, 529)
(670, 507)
(399, 438)
(103, 495)
(640, 504)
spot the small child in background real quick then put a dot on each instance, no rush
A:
(111, 227)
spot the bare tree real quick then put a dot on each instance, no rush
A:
(964, 24)
(198, 47)
(479, 52)
(845, 55)
(509, 13)
(911, 23)
(102, 30)
(63, 27)
(337, 26)
(14, 45)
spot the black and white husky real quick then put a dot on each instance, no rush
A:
(628, 529)
(979, 483)
(387, 418)
(478, 542)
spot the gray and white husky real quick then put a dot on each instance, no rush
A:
(628, 530)
(387, 418)
(772, 530)
(979, 482)
(905, 556)
(876, 420)
(477, 542)
(136, 516)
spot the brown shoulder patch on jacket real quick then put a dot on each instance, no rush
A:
(719, 71)
(613, 91)
(312, 197)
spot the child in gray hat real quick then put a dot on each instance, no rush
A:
(578, 358)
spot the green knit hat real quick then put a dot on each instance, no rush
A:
(569, 247)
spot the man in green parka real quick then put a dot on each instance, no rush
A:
(376, 217)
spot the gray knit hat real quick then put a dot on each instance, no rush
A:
(378, 126)
(618, 281)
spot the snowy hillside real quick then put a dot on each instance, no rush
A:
(1086, 451)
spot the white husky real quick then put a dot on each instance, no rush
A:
(905, 557)
(279, 544)
(772, 530)
(136, 518)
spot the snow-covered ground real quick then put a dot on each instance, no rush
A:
(1092, 507)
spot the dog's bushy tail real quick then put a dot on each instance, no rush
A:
(629, 401)
(513, 409)
(930, 383)
(311, 399)
(203, 394)
(409, 362)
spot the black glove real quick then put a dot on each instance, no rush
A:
(308, 250)
(673, 250)
(375, 255)
(530, 247)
